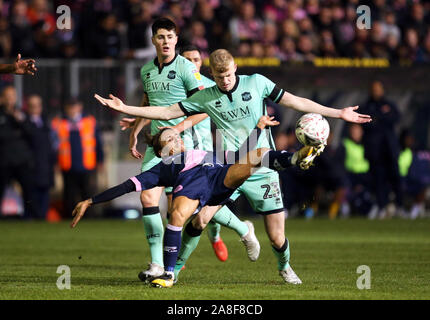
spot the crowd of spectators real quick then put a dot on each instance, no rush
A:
(292, 30)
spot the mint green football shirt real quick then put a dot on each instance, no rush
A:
(202, 134)
(172, 83)
(164, 86)
(236, 112)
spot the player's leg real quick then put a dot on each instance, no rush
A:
(153, 226)
(274, 225)
(152, 221)
(182, 209)
(169, 196)
(276, 160)
(223, 216)
(263, 193)
(245, 229)
(218, 245)
(243, 169)
(191, 236)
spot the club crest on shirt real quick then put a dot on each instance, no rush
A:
(171, 75)
(246, 96)
(197, 75)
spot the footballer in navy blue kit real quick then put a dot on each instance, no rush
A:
(187, 172)
(198, 178)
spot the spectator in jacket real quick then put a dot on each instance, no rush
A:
(43, 153)
(79, 151)
(16, 161)
(382, 149)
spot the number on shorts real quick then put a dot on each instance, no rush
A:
(266, 194)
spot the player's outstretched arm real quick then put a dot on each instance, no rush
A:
(306, 105)
(19, 66)
(189, 122)
(107, 195)
(155, 113)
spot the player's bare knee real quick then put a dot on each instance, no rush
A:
(148, 200)
(178, 218)
(277, 240)
(199, 223)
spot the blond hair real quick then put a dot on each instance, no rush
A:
(220, 60)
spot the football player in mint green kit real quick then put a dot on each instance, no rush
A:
(167, 79)
(235, 106)
(202, 137)
(151, 217)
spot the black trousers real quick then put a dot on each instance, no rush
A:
(78, 186)
(384, 177)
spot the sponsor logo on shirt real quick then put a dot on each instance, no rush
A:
(236, 114)
(246, 96)
(171, 75)
(157, 86)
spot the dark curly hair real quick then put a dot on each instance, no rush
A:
(154, 141)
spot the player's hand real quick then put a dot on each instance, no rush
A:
(136, 154)
(113, 103)
(349, 114)
(79, 211)
(133, 148)
(127, 123)
(24, 66)
(266, 121)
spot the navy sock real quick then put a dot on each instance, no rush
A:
(277, 160)
(172, 244)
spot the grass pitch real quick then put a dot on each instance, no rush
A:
(105, 257)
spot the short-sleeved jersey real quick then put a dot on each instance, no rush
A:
(238, 111)
(202, 135)
(169, 84)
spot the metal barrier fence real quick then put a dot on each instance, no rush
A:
(58, 80)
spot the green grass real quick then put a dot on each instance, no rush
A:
(106, 256)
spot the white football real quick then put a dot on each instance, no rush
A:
(312, 129)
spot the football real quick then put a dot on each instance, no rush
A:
(312, 129)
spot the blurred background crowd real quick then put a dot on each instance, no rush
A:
(377, 170)
(294, 30)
